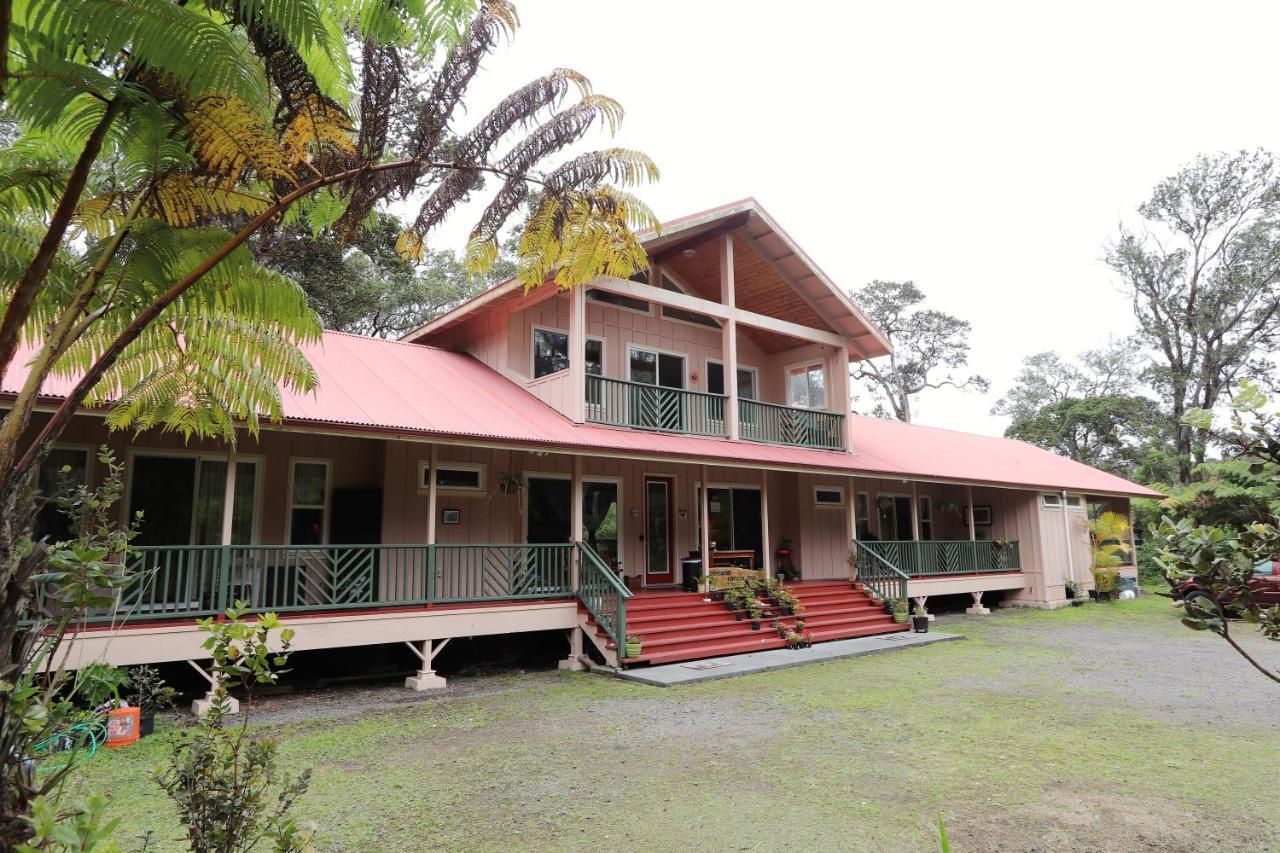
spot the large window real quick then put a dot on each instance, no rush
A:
(551, 353)
(63, 464)
(746, 380)
(309, 502)
(182, 498)
(807, 386)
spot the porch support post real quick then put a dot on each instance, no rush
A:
(432, 496)
(852, 520)
(921, 601)
(705, 544)
(1133, 541)
(573, 663)
(766, 548)
(729, 336)
(201, 706)
(229, 497)
(1066, 533)
(977, 609)
(843, 402)
(973, 530)
(426, 678)
(915, 512)
(575, 523)
(578, 354)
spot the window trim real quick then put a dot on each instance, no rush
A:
(482, 479)
(755, 374)
(328, 497)
(1050, 500)
(841, 504)
(259, 482)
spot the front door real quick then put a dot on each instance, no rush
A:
(659, 563)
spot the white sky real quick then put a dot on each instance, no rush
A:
(985, 150)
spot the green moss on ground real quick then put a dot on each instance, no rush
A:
(851, 755)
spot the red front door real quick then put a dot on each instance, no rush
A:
(659, 561)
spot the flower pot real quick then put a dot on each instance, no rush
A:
(900, 617)
(739, 615)
(1077, 602)
(146, 725)
(920, 624)
(633, 649)
(755, 624)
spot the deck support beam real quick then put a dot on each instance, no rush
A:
(201, 706)
(977, 609)
(426, 678)
(921, 602)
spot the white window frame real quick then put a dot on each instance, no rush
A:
(328, 497)
(924, 502)
(755, 378)
(1078, 506)
(480, 468)
(255, 528)
(806, 365)
(843, 502)
(1050, 500)
(533, 350)
(684, 356)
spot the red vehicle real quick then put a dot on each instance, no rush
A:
(1265, 586)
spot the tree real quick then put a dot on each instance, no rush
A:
(1047, 377)
(927, 346)
(1220, 559)
(1204, 278)
(1115, 432)
(157, 139)
(364, 286)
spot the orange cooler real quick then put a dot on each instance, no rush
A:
(122, 727)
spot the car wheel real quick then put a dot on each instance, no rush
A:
(1202, 605)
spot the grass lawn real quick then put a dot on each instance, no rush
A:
(1108, 727)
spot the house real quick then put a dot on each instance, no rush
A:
(545, 460)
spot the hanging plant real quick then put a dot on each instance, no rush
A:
(949, 506)
(510, 484)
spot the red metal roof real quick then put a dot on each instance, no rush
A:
(390, 387)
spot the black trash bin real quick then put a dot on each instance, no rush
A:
(691, 573)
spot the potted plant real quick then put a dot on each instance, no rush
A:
(510, 484)
(920, 620)
(151, 694)
(898, 608)
(634, 645)
(1105, 582)
(99, 685)
(754, 611)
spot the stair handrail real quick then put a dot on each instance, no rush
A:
(883, 578)
(597, 584)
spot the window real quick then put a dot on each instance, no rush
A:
(746, 380)
(828, 496)
(595, 357)
(656, 368)
(600, 519)
(550, 352)
(1051, 501)
(617, 300)
(1074, 502)
(735, 519)
(683, 314)
(807, 386)
(51, 520)
(182, 497)
(862, 509)
(926, 519)
(308, 503)
(895, 517)
(452, 477)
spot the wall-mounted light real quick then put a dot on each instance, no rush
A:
(689, 253)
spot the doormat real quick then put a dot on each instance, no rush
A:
(706, 664)
(894, 638)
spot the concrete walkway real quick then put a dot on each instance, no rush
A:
(713, 669)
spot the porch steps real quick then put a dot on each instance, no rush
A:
(679, 626)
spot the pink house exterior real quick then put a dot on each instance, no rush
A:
(535, 461)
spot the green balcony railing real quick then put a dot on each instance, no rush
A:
(877, 574)
(604, 595)
(774, 424)
(619, 402)
(182, 581)
(931, 558)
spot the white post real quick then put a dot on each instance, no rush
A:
(729, 336)
(229, 497)
(766, 546)
(578, 354)
(426, 678)
(915, 513)
(921, 602)
(201, 706)
(843, 404)
(1066, 532)
(977, 609)
(973, 530)
(705, 545)
(575, 522)
(432, 496)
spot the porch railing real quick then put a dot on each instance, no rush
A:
(921, 559)
(619, 402)
(878, 574)
(774, 424)
(603, 594)
(182, 581)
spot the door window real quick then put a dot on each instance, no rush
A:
(600, 519)
(51, 521)
(657, 529)
(807, 386)
(181, 499)
(309, 502)
(746, 380)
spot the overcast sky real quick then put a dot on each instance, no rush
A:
(985, 150)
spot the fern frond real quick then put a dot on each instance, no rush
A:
(229, 138)
(317, 125)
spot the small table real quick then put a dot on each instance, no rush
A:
(734, 559)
